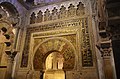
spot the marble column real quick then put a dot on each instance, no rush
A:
(9, 68)
(54, 61)
(107, 64)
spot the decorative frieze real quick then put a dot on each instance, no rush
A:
(55, 15)
(56, 33)
(71, 10)
(80, 9)
(61, 24)
(47, 15)
(32, 18)
(39, 17)
(63, 12)
(86, 50)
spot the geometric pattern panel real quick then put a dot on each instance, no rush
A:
(87, 60)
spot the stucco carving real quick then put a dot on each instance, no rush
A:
(47, 15)
(61, 14)
(32, 18)
(54, 14)
(86, 47)
(71, 10)
(80, 22)
(39, 17)
(80, 9)
(53, 45)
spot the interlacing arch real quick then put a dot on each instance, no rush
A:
(8, 22)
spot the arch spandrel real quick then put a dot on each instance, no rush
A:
(38, 59)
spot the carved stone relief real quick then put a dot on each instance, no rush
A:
(80, 9)
(38, 60)
(71, 10)
(63, 12)
(55, 45)
(32, 18)
(55, 15)
(39, 17)
(47, 15)
(85, 45)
